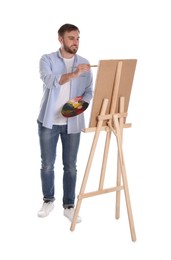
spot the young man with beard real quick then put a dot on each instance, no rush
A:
(65, 75)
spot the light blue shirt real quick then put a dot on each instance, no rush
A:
(52, 67)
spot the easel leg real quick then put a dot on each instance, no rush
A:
(96, 137)
(124, 177)
(84, 180)
(118, 181)
(118, 193)
(105, 156)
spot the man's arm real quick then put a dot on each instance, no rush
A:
(81, 68)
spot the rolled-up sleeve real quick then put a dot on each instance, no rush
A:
(49, 79)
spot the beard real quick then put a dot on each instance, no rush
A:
(71, 50)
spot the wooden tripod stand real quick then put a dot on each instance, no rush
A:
(114, 123)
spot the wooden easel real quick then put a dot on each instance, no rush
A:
(111, 122)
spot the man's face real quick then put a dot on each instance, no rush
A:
(70, 42)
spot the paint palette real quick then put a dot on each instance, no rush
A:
(74, 107)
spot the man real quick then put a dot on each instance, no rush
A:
(65, 75)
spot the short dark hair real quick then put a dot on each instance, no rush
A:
(67, 28)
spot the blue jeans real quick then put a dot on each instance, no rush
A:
(48, 143)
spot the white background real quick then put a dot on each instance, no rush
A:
(109, 30)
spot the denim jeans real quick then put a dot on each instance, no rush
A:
(48, 143)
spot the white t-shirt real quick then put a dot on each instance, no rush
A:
(64, 95)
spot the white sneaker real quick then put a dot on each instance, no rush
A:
(69, 213)
(46, 208)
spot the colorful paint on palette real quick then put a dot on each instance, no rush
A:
(74, 107)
